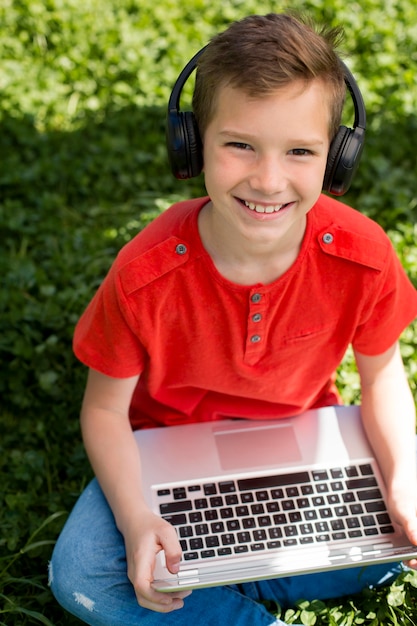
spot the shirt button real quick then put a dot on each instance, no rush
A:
(181, 249)
(328, 238)
(255, 338)
(256, 297)
(257, 317)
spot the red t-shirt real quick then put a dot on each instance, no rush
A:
(207, 348)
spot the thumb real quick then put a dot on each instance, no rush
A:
(172, 549)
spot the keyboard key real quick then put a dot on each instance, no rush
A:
(351, 471)
(383, 519)
(210, 515)
(268, 482)
(259, 535)
(369, 494)
(176, 520)
(373, 507)
(190, 556)
(210, 489)
(352, 522)
(306, 529)
(228, 539)
(175, 507)
(244, 537)
(186, 531)
(241, 511)
(341, 511)
(212, 541)
(366, 470)
(320, 475)
(226, 513)
(241, 548)
(216, 501)
(227, 486)
(224, 551)
(257, 509)
(337, 524)
(201, 529)
(290, 542)
(207, 554)
(247, 497)
(194, 517)
(201, 503)
(233, 524)
(257, 547)
(339, 535)
(361, 483)
(272, 507)
(179, 493)
(196, 543)
(248, 522)
(290, 531)
(387, 529)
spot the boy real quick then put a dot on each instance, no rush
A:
(242, 303)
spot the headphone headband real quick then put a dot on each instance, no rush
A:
(185, 149)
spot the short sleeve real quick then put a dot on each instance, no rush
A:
(389, 310)
(103, 338)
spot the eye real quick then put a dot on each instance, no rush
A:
(239, 145)
(300, 152)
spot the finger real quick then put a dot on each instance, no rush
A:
(171, 547)
(165, 605)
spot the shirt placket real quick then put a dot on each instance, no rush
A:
(256, 326)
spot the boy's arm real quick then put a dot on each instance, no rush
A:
(115, 458)
(388, 415)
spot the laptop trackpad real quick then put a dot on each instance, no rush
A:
(257, 447)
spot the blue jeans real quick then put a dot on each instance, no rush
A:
(88, 578)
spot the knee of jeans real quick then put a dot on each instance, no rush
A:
(70, 589)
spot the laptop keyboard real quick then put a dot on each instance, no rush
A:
(280, 511)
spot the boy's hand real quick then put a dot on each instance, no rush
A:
(402, 504)
(151, 535)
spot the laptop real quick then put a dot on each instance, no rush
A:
(258, 499)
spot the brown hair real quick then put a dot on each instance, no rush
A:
(260, 54)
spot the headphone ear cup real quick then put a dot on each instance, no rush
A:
(343, 159)
(333, 157)
(184, 145)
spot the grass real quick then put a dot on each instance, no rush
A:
(84, 89)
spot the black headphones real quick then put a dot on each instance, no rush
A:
(185, 148)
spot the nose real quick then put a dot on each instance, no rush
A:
(269, 175)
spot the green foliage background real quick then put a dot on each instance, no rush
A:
(84, 88)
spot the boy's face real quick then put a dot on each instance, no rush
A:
(264, 161)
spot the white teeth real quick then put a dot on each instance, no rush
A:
(270, 208)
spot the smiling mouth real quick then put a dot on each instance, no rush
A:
(269, 208)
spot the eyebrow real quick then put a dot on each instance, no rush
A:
(247, 137)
